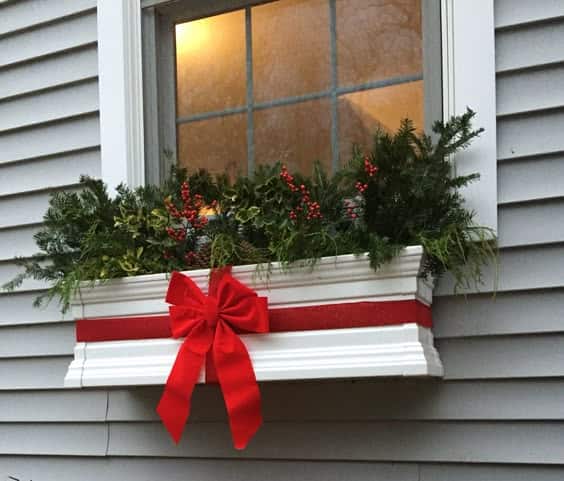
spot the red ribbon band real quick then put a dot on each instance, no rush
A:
(305, 318)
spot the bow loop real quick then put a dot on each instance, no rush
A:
(208, 323)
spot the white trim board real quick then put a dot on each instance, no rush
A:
(121, 92)
(468, 38)
(404, 350)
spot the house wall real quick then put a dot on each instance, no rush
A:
(498, 415)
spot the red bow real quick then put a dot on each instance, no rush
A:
(207, 323)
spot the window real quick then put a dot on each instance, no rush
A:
(138, 95)
(291, 80)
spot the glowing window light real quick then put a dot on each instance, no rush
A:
(192, 35)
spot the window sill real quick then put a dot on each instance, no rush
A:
(403, 347)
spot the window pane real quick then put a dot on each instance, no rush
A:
(219, 145)
(296, 135)
(291, 48)
(361, 113)
(378, 39)
(210, 63)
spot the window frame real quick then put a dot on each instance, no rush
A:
(127, 113)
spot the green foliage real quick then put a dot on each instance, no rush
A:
(403, 192)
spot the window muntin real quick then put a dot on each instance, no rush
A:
(295, 81)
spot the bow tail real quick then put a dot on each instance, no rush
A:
(174, 406)
(239, 385)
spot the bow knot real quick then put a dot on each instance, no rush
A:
(211, 312)
(208, 324)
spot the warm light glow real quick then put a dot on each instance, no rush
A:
(192, 36)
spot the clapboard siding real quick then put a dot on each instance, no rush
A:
(396, 399)
(526, 224)
(531, 178)
(17, 242)
(48, 39)
(530, 46)
(145, 469)
(48, 172)
(75, 439)
(520, 92)
(48, 340)
(47, 106)
(53, 406)
(149, 469)
(502, 314)
(49, 139)
(29, 13)
(509, 13)
(142, 469)
(497, 416)
(55, 70)
(33, 372)
(17, 309)
(453, 441)
(21, 210)
(519, 268)
(530, 134)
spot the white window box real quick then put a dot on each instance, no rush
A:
(404, 349)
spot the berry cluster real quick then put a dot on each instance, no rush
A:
(288, 179)
(311, 209)
(369, 167)
(361, 187)
(191, 207)
(178, 235)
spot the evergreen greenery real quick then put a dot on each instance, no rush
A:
(403, 192)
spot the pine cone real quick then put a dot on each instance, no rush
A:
(202, 258)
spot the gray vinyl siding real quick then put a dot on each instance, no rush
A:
(498, 415)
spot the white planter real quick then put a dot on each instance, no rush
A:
(394, 350)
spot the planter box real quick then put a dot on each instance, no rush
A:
(402, 348)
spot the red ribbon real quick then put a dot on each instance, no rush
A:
(207, 324)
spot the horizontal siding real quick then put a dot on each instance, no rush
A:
(520, 268)
(531, 178)
(17, 309)
(50, 139)
(510, 357)
(48, 340)
(530, 134)
(53, 406)
(141, 469)
(29, 13)
(526, 224)
(76, 439)
(33, 373)
(62, 69)
(48, 39)
(509, 13)
(145, 469)
(23, 210)
(530, 46)
(500, 314)
(57, 104)
(17, 242)
(48, 172)
(477, 442)
(370, 400)
(520, 92)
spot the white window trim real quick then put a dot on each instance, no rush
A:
(120, 84)
(468, 80)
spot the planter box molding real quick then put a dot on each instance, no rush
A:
(392, 350)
